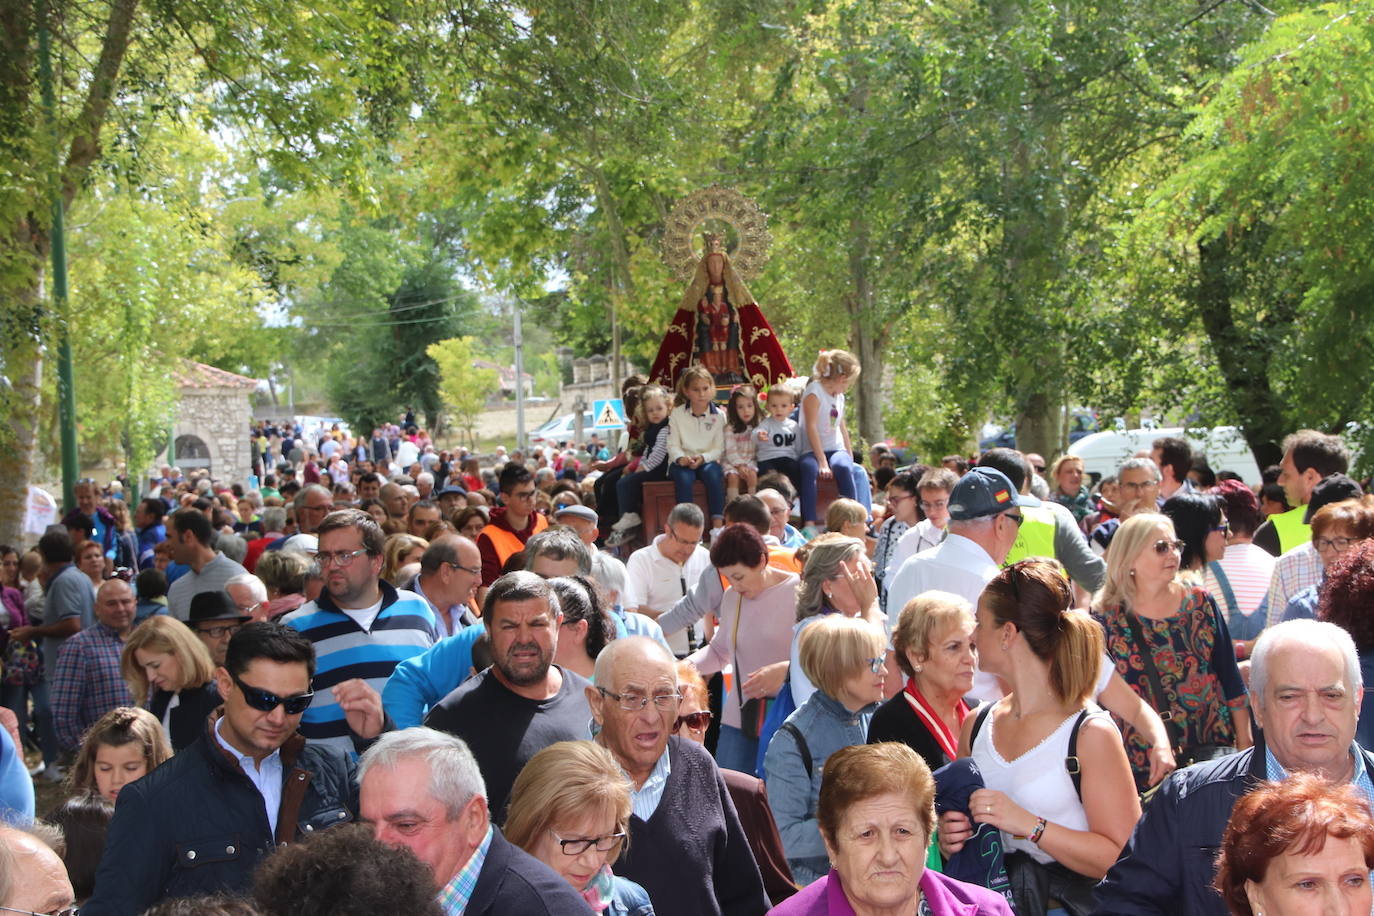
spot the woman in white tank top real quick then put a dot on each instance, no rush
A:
(1059, 841)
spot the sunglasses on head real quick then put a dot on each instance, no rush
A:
(263, 701)
(1164, 545)
(696, 721)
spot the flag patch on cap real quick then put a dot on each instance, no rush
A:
(1002, 496)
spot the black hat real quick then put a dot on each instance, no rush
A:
(1333, 489)
(216, 605)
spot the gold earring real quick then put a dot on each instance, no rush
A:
(916, 668)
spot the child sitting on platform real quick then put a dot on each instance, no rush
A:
(741, 445)
(696, 441)
(651, 416)
(825, 448)
(777, 434)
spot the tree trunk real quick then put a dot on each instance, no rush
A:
(1245, 368)
(862, 310)
(622, 283)
(23, 359)
(1039, 424)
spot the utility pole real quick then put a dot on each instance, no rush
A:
(519, 382)
(66, 392)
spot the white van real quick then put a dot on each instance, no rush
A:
(1224, 446)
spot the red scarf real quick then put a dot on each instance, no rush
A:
(934, 723)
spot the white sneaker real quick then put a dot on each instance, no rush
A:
(37, 768)
(627, 521)
(54, 773)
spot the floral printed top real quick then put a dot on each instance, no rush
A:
(1197, 669)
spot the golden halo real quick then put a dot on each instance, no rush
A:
(723, 210)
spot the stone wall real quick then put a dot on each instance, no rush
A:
(220, 418)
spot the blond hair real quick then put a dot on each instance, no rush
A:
(118, 727)
(843, 511)
(835, 648)
(162, 633)
(564, 781)
(1130, 539)
(645, 394)
(924, 618)
(394, 550)
(692, 372)
(837, 362)
(821, 563)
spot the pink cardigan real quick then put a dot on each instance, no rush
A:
(946, 897)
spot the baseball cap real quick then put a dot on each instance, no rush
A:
(983, 492)
(452, 490)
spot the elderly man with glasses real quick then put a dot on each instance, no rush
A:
(360, 625)
(687, 848)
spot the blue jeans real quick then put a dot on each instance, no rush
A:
(629, 490)
(710, 475)
(850, 479)
(16, 697)
(734, 751)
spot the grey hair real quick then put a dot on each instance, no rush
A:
(253, 582)
(454, 777)
(559, 542)
(1311, 633)
(689, 514)
(425, 475)
(823, 563)
(273, 518)
(1139, 464)
(957, 525)
(611, 576)
(604, 671)
(299, 500)
(232, 546)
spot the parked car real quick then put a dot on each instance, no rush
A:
(1081, 423)
(1224, 446)
(562, 429)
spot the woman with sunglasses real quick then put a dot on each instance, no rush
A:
(844, 658)
(570, 809)
(1061, 830)
(1202, 528)
(1170, 643)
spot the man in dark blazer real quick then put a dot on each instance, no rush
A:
(422, 789)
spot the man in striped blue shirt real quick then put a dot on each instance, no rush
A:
(361, 626)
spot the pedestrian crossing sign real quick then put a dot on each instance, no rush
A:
(609, 414)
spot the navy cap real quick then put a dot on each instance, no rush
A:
(452, 490)
(985, 491)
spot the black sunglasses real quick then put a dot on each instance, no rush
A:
(263, 701)
(695, 720)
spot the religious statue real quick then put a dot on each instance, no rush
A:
(717, 323)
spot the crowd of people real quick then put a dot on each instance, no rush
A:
(387, 677)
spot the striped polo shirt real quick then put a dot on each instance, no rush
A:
(404, 627)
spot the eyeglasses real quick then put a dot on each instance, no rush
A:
(1224, 528)
(928, 504)
(520, 494)
(1038, 468)
(580, 845)
(65, 911)
(1018, 518)
(475, 571)
(341, 558)
(876, 665)
(263, 701)
(633, 702)
(1164, 545)
(1337, 543)
(682, 540)
(696, 721)
(1142, 485)
(220, 632)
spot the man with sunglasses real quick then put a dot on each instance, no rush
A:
(361, 625)
(687, 847)
(201, 822)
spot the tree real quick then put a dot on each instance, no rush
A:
(463, 388)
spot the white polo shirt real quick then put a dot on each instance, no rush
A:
(654, 581)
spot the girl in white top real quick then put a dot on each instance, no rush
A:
(825, 447)
(696, 441)
(1049, 656)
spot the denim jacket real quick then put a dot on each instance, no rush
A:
(630, 899)
(826, 726)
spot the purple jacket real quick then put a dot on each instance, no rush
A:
(946, 897)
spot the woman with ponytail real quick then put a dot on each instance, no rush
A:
(1061, 829)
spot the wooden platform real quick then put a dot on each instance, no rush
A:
(660, 496)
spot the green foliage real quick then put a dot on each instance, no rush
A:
(463, 388)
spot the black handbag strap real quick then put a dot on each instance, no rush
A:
(1071, 762)
(1158, 698)
(801, 745)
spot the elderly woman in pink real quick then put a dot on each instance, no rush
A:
(877, 816)
(755, 636)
